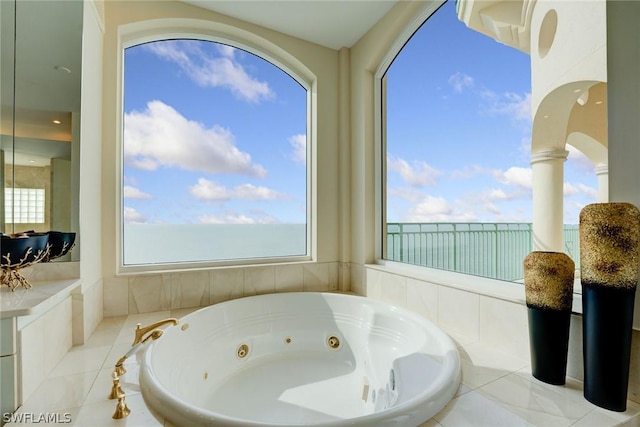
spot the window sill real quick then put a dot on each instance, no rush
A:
(499, 289)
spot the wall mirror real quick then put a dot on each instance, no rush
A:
(40, 77)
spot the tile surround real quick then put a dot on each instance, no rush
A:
(165, 291)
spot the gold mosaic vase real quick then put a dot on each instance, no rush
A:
(609, 260)
(548, 280)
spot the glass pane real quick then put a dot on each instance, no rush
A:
(458, 129)
(214, 155)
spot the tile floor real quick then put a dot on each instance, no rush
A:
(497, 389)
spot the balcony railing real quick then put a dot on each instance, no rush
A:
(494, 250)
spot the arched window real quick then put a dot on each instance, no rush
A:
(214, 157)
(456, 151)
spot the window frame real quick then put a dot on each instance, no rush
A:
(481, 286)
(138, 33)
(379, 99)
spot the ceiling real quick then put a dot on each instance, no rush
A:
(331, 23)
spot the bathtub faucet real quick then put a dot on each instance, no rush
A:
(142, 331)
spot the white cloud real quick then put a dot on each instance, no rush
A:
(437, 209)
(227, 51)
(252, 192)
(569, 189)
(410, 194)
(161, 136)
(132, 216)
(590, 192)
(469, 171)
(497, 194)
(222, 71)
(492, 209)
(460, 81)
(510, 104)
(134, 193)
(517, 176)
(235, 218)
(418, 174)
(209, 190)
(226, 219)
(299, 146)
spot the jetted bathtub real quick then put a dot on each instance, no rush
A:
(300, 359)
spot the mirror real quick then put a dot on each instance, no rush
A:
(40, 77)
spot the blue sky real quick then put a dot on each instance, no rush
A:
(214, 134)
(459, 131)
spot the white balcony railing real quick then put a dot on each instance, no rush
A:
(494, 250)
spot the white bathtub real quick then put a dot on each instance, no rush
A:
(294, 359)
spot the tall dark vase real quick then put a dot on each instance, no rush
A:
(549, 342)
(548, 278)
(609, 260)
(607, 321)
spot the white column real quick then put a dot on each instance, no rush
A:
(548, 182)
(602, 172)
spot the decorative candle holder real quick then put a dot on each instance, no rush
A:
(548, 280)
(609, 260)
(18, 252)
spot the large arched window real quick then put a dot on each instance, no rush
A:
(456, 138)
(214, 157)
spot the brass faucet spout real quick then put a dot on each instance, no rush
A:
(140, 331)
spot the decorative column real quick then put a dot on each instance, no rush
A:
(548, 183)
(602, 172)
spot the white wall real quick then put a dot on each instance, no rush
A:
(623, 44)
(125, 294)
(87, 305)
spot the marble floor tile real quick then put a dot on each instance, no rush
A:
(81, 359)
(100, 414)
(482, 364)
(596, 418)
(475, 410)
(57, 393)
(101, 387)
(106, 332)
(534, 402)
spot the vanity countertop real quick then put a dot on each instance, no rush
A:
(24, 302)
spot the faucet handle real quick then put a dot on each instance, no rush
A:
(141, 331)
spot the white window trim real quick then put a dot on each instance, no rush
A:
(161, 29)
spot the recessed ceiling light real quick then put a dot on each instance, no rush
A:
(599, 102)
(62, 68)
(56, 122)
(545, 116)
(32, 161)
(577, 90)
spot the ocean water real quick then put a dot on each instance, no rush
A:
(176, 243)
